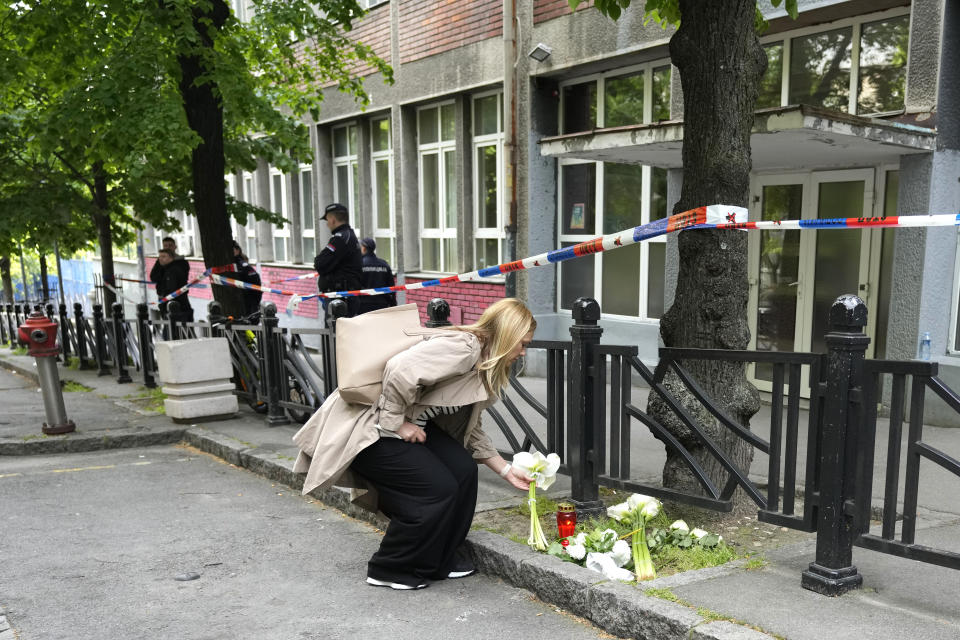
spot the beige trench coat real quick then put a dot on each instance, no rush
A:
(440, 371)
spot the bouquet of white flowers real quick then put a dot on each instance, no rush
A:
(543, 470)
(635, 512)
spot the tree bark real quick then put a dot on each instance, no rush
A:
(101, 219)
(721, 62)
(6, 278)
(44, 280)
(205, 116)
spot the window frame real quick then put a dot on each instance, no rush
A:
(389, 233)
(278, 232)
(249, 196)
(305, 233)
(478, 142)
(352, 161)
(643, 310)
(440, 148)
(855, 23)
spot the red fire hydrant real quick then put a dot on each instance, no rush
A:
(39, 333)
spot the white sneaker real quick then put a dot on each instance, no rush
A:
(394, 585)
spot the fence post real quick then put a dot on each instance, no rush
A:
(80, 325)
(3, 324)
(173, 311)
(145, 338)
(65, 333)
(216, 319)
(833, 572)
(273, 373)
(120, 337)
(438, 313)
(101, 340)
(582, 424)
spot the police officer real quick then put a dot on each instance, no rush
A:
(339, 263)
(376, 273)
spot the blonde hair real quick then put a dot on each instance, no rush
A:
(500, 328)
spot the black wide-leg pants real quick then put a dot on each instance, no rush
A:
(429, 492)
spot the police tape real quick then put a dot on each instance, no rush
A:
(721, 217)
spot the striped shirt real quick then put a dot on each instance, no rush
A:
(433, 412)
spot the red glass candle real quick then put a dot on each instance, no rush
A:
(566, 521)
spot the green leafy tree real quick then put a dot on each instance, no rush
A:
(146, 104)
(721, 63)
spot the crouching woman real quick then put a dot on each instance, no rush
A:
(414, 454)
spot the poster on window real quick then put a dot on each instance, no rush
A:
(576, 216)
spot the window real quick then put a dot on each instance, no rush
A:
(381, 154)
(345, 171)
(188, 244)
(278, 204)
(597, 198)
(856, 67)
(436, 163)
(308, 233)
(488, 232)
(238, 232)
(249, 196)
(242, 9)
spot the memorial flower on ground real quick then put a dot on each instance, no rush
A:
(543, 470)
(636, 512)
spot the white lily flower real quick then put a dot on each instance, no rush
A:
(576, 551)
(603, 563)
(680, 525)
(542, 468)
(650, 509)
(698, 533)
(621, 552)
(638, 500)
(619, 511)
(580, 538)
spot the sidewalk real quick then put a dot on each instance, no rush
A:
(900, 598)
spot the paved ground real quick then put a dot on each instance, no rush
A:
(93, 543)
(192, 508)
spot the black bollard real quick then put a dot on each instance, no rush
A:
(833, 572)
(438, 313)
(273, 372)
(145, 338)
(173, 312)
(81, 325)
(216, 318)
(100, 340)
(120, 337)
(583, 424)
(65, 333)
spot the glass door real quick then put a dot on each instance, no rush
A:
(795, 275)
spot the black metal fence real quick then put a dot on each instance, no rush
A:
(587, 414)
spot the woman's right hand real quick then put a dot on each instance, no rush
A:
(410, 432)
(518, 478)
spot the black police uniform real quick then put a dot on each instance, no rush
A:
(376, 273)
(339, 265)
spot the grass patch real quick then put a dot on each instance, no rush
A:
(755, 563)
(155, 402)
(71, 386)
(19, 351)
(669, 559)
(73, 364)
(663, 594)
(545, 506)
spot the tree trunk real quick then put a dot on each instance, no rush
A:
(5, 277)
(101, 219)
(44, 279)
(721, 62)
(205, 116)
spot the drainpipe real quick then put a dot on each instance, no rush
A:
(509, 137)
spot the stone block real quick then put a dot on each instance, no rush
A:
(726, 630)
(198, 360)
(562, 583)
(624, 610)
(184, 408)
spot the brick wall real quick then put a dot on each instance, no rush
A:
(269, 275)
(374, 31)
(544, 10)
(467, 299)
(428, 28)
